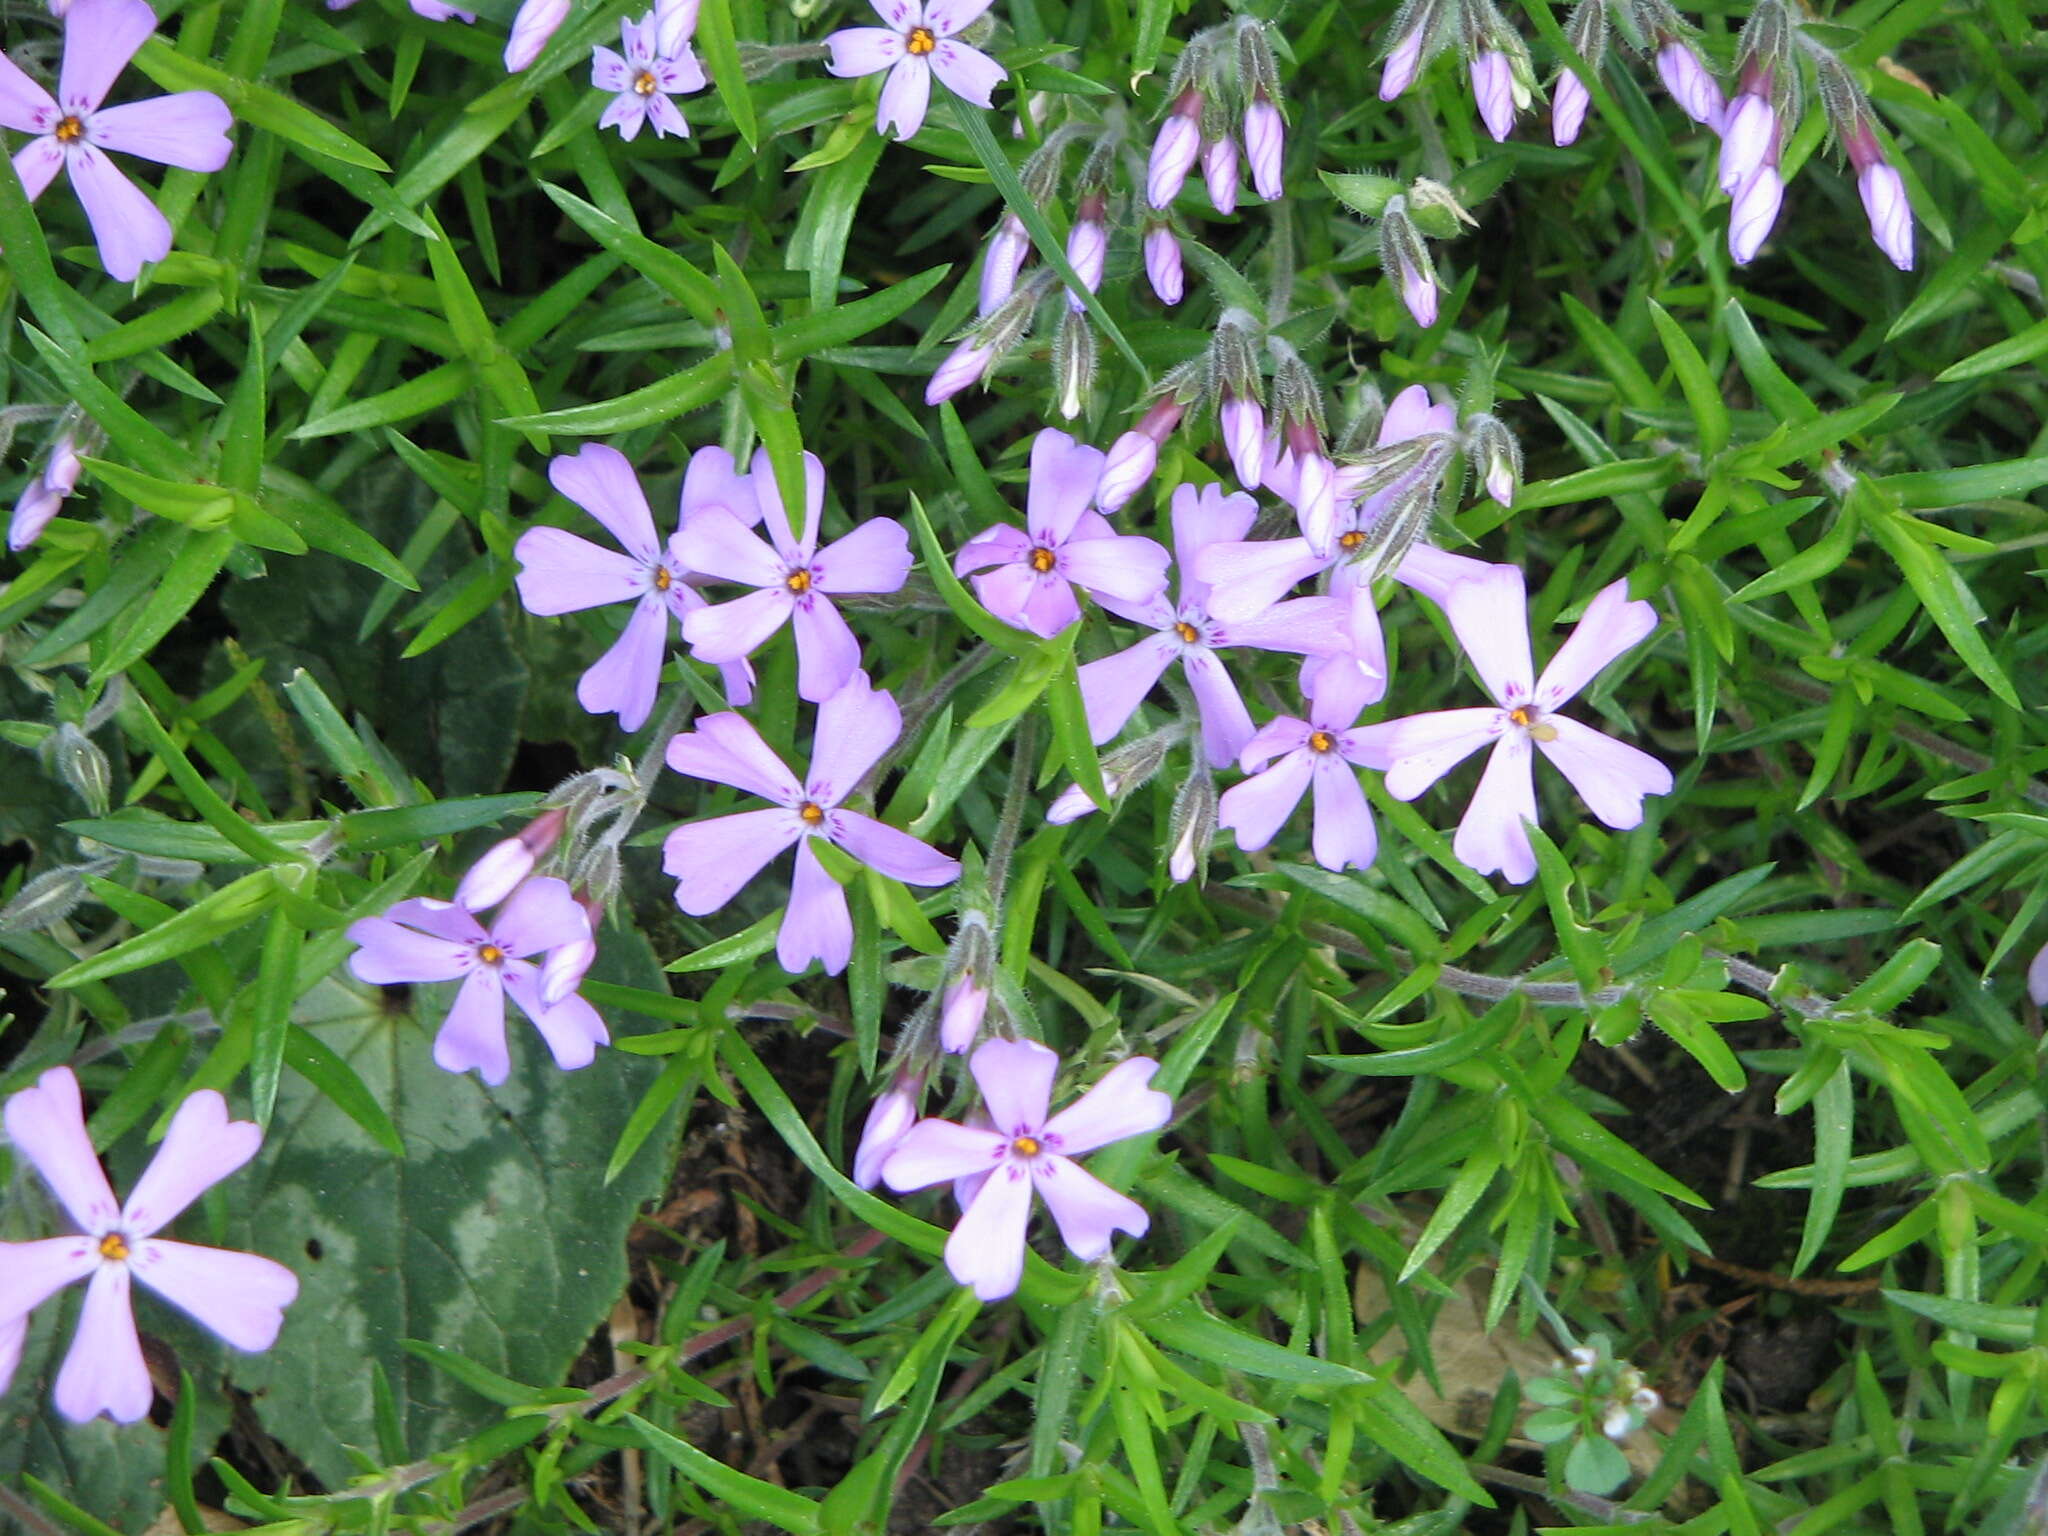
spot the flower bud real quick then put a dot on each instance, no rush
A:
(494, 876)
(966, 364)
(1498, 456)
(44, 901)
(1568, 105)
(1265, 141)
(1403, 254)
(1131, 460)
(1746, 140)
(1008, 249)
(1493, 86)
(892, 1114)
(1087, 248)
(1130, 765)
(43, 497)
(675, 23)
(1616, 1423)
(1891, 216)
(1073, 363)
(1244, 434)
(1162, 264)
(1191, 827)
(534, 24)
(1402, 65)
(1174, 150)
(1754, 211)
(81, 765)
(1691, 86)
(1219, 173)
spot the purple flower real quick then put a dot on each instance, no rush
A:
(1402, 65)
(918, 42)
(1434, 572)
(427, 940)
(1568, 109)
(795, 578)
(1748, 139)
(562, 972)
(1493, 85)
(1113, 687)
(1007, 249)
(532, 26)
(1174, 150)
(1028, 576)
(966, 364)
(239, 1296)
(1287, 756)
(1087, 248)
(1265, 140)
(892, 1114)
(1022, 1150)
(492, 877)
(73, 132)
(1489, 615)
(1884, 198)
(43, 497)
(1753, 213)
(1686, 78)
(1162, 263)
(643, 80)
(712, 859)
(561, 573)
(1219, 174)
(1243, 421)
(1135, 455)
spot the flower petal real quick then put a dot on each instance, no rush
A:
(37, 163)
(1610, 625)
(936, 1151)
(826, 652)
(1276, 738)
(1120, 1105)
(816, 925)
(1426, 747)
(100, 37)
(239, 1296)
(188, 129)
(13, 1335)
(540, 914)
(1490, 616)
(103, 1370)
(31, 1273)
(894, 853)
(1018, 595)
(726, 749)
(1064, 475)
(202, 1147)
(967, 72)
(473, 1033)
(625, 679)
(711, 860)
(561, 573)
(46, 1123)
(999, 545)
(1087, 1210)
(1015, 1078)
(2037, 976)
(1204, 517)
(986, 1250)
(24, 105)
(875, 557)
(1249, 577)
(609, 71)
(1491, 836)
(714, 479)
(572, 1028)
(1432, 571)
(856, 725)
(1611, 776)
(666, 119)
(129, 228)
(1114, 687)
(443, 919)
(889, 1119)
(856, 51)
(1226, 723)
(722, 633)
(601, 481)
(1344, 836)
(906, 95)
(716, 541)
(1122, 566)
(1258, 807)
(949, 18)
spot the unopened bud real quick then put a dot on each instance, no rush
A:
(534, 24)
(1497, 455)
(1191, 827)
(675, 23)
(1568, 105)
(81, 765)
(1404, 255)
(966, 364)
(1129, 464)
(1753, 213)
(1219, 173)
(892, 1114)
(1493, 88)
(1162, 264)
(1087, 248)
(1265, 141)
(1244, 434)
(1073, 363)
(44, 901)
(1174, 150)
(567, 964)
(1008, 248)
(1695, 90)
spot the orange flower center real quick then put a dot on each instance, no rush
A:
(798, 581)
(1530, 719)
(644, 84)
(1350, 540)
(663, 578)
(1320, 741)
(1187, 632)
(490, 954)
(67, 129)
(114, 1246)
(1025, 1146)
(1043, 559)
(920, 42)
(811, 813)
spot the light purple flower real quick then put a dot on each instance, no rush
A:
(919, 41)
(1753, 213)
(239, 1296)
(1243, 421)
(504, 864)
(1748, 140)
(1135, 454)
(424, 940)
(1022, 1150)
(1219, 174)
(74, 132)
(796, 580)
(1568, 109)
(1883, 192)
(562, 972)
(1174, 150)
(1493, 86)
(1289, 756)
(561, 573)
(1402, 65)
(1087, 248)
(1690, 85)
(1434, 572)
(1114, 687)
(1489, 615)
(1027, 576)
(711, 860)
(1008, 248)
(1162, 263)
(1265, 142)
(966, 364)
(675, 23)
(892, 1114)
(43, 497)
(1361, 648)
(643, 80)
(533, 25)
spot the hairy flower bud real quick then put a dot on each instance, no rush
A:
(1891, 217)
(1219, 173)
(966, 364)
(1493, 87)
(1690, 85)
(1191, 826)
(46, 900)
(1748, 139)
(1087, 248)
(1497, 456)
(1403, 64)
(970, 963)
(81, 765)
(1244, 434)
(1174, 150)
(1008, 248)
(1162, 264)
(1265, 142)
(1128, 465)
(1406, 259)
(675, 23)
(1568, 105)
(1073, 363)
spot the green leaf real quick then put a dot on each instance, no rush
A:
(1940, 588)
(750, 1496)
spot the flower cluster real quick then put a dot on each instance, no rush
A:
(239, 1296)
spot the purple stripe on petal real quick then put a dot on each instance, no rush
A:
(188, 129)
(239, 1296)
(949, 18)
(817, 925)
(712, 860)
(31, 1273)
(968, 73)
(103, 1371)
(202, 1147)
(1490, 616)
(666, 119)
(37, 164)
(24, 105)
(473, 1034)
(1087, 1211)
(46, 1123)
(127, 225)
(609, 71)
(856, 51)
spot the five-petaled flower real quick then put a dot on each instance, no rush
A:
(187, 129)
(1489, 614)
(239, 1296)
(1020, 1150)
(643, 79)
(797, 580)
(920, 40)
(561, 573)
(1289, 756)
(1029, 575)
(712, 859)
(428, 940)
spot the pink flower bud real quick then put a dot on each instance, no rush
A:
(1754, 212)
(1129, 464)
(531, 28)
(1686, 78)
(1891, 216)
(964, 365)
(1244, 433)
(961, 1012)
(1162, 264)
(1219, 174)
(1087, 248)
(1007, 249)
(1418, 292)
(1493, 83)
(1568, 109)
(494, 876)
(37, 509)
(1265, 142)
(675, 23)
(1746, 139)
(891, 1115)
(1402, 65)
(1174, 151)
(1315, 503)
(61, 473)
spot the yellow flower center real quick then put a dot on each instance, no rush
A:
(798, 581)
(920, 42)
(490, 954)
(663, 578)
(644, 84)
(1530, 720)
(67, 129)
(1350, 540)
(811, 813)
(1025, 1146)
(114, 1246)
(1043, 559)
(1320, 741)
(1187, 632)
